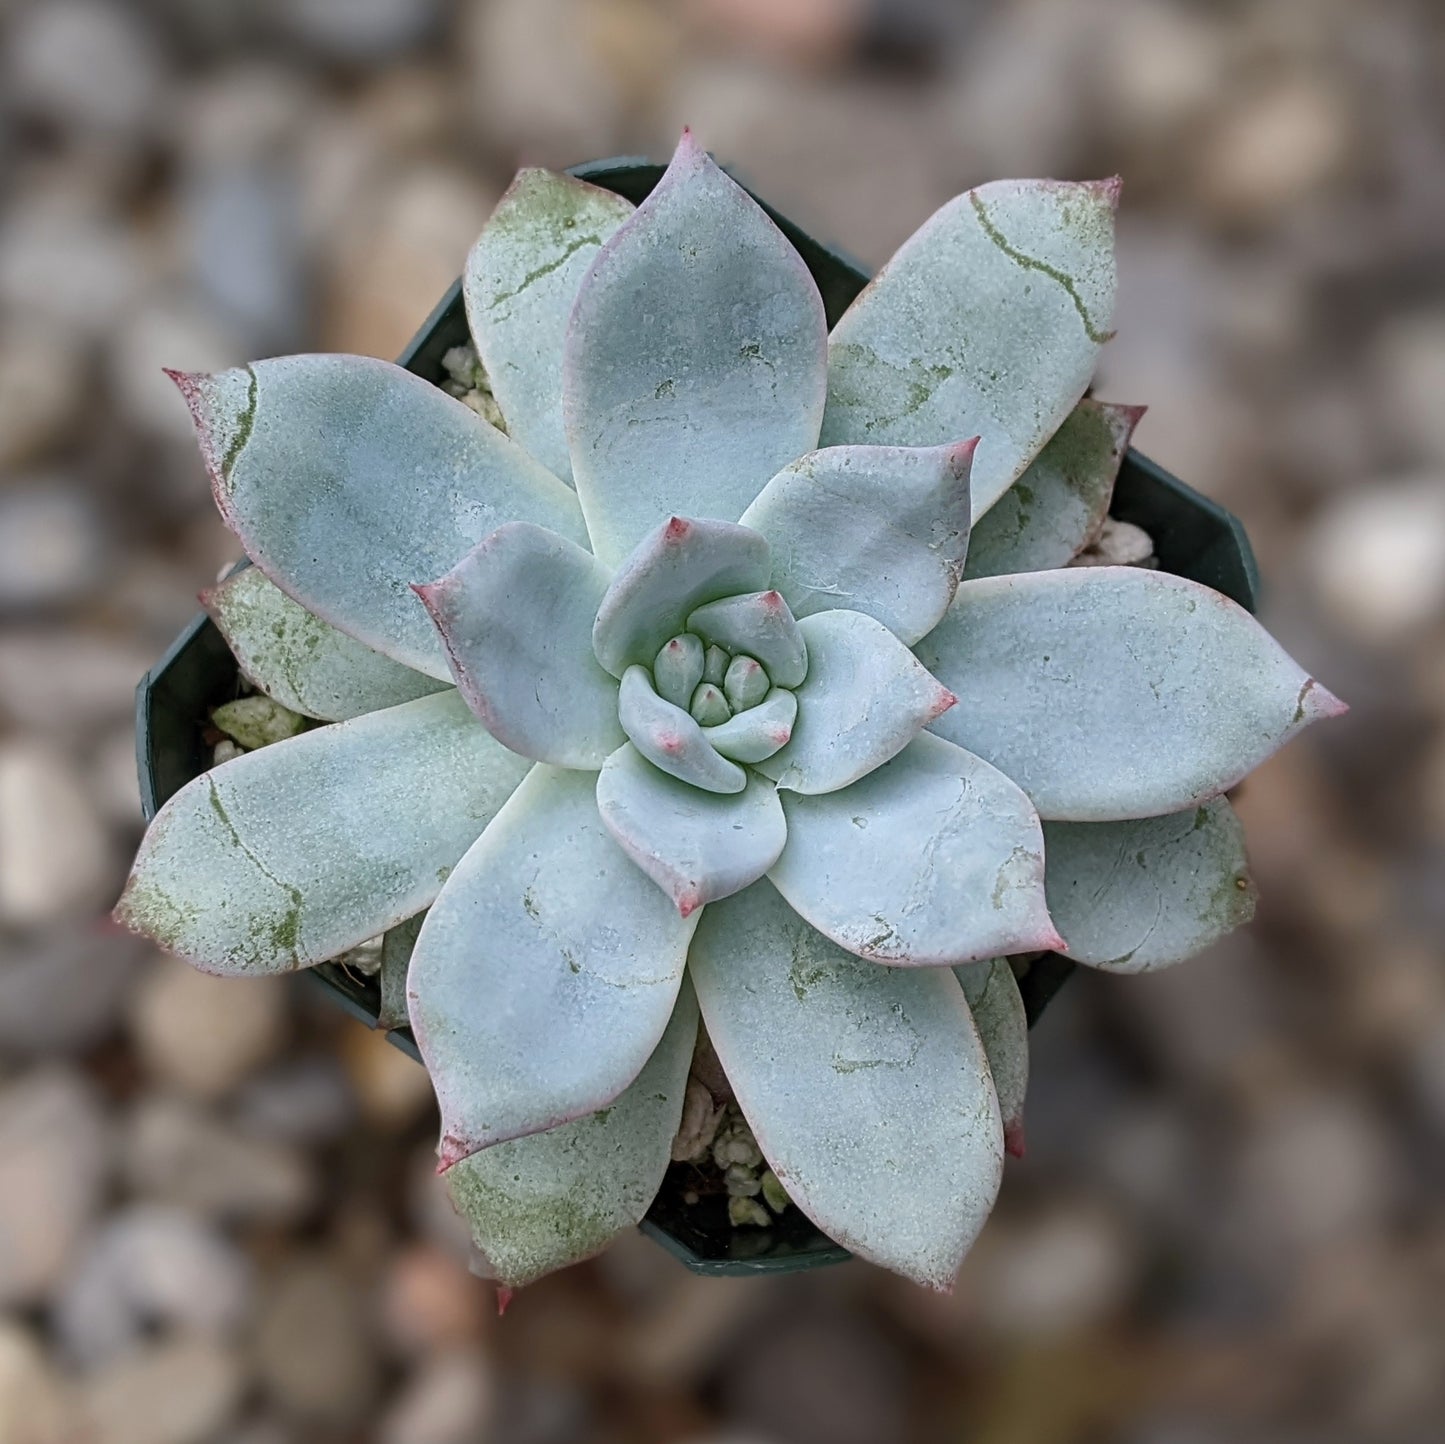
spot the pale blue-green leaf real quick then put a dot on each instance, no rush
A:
(515, 615)
(1055, 509)
(545, 972)
(304, 663)
(288, 856)
(867, 1088)
(1134, 896)
(987, 321)
(540, 1203)
(934, 858)
(755, 735)
(760, 625)
(696, 359)
(677, 672)
(865, 699)
(998, 1012)
(671, 739)
(1114, 692)
(347, 479)
(396, 948)
(875, 529)
(676, 567)
(521, 281)
(696, 846)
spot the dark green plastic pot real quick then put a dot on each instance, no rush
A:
(1193, 537)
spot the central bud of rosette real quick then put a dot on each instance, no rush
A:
(709, 657)
(719, 693)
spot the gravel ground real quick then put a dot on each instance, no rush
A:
(218, 1223)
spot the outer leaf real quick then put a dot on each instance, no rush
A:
(1055, 509)
(1135, 896)
(759, 625)
(290, 855)
(678, 565)
(521, 281)
(696, 359)
(1112, 692)
(875, 529)
(696, 846)
(540, 1203)
(987, 320)
(867, 1088)
(544, 973)
(396, 949)
(671, 739)
(516, 617)
(755, 735)
(301, 661)
(865, 699)
(934, 858)
(998, 1011)
(348, 479)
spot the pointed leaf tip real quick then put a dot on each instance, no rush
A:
(1013, 1139)
(1318, 703)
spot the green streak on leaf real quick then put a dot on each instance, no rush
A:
(546, 269)
(244, 424)
(284, 935)
(1029, 263)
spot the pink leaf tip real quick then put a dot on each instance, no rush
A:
(945, 700)
(1108, 190)
(1013, 1138)
(960, 455)
(677, 529)
(505, 1295)
(1317, 702)
(451, 1151)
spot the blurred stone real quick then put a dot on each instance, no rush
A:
(357, 31)
(804, 32)
(54, 1160)
(66, 990)
(429, 1301)
(43, 383)
(206, 1034)
(149, 1267)
(1316, 1170)
(175, 1392)
(243, 230)
(312, 1348)
(1011, 48)
(66, 262)
(394, 261)
(58, 858)
(57, 680)
(818, 1377)
(1409, 380)
(1061, 1271)
(393, 1089)
(85, 64)
(447, 1401)
(112, 779)
(1163, 68)
(1376, 557)
(429, 1206)
(535, 79)
(168, 330)
(267, 1430)
(174, 1153)
(35, 1407)
(51, 547)
(248, 111)
(299, 1100)
(1276, 148)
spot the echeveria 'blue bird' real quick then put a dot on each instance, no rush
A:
(774, 700)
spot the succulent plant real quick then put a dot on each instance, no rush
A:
(744, 652)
